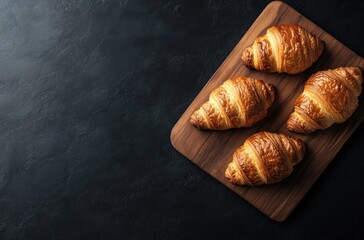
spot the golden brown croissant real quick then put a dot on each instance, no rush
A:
(264, 158)
(238, 102)
(285, 48)
(329, 97)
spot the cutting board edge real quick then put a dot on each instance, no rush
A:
(276, 217)
(273, 216)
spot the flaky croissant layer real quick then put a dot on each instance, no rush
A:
(238, 102)
(328, 97)
(284, 48)
(264, 158)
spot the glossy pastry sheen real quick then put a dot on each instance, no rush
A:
(238, 102)
(329, 97)
(285, 48)
(264, 158)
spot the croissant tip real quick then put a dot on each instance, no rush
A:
(292, 126)
(194, 122)
(247, 57)
(228, 175)
(231, 174)
(301, 147)
(272, 89)
(299, 142)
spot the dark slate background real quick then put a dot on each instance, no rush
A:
(89, 92)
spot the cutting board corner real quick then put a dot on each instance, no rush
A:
(210, 149)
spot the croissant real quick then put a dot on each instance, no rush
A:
(285, 48)
(238, 102)
(265, 158)
(329, 97)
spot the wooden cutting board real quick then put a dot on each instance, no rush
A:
(212, 150)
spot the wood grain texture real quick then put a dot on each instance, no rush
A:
(212, 150)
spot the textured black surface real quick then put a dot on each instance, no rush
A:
(89, 91)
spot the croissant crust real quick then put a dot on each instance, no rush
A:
(238, 102)
(329, 97)
(284, 48)
(264, 158)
